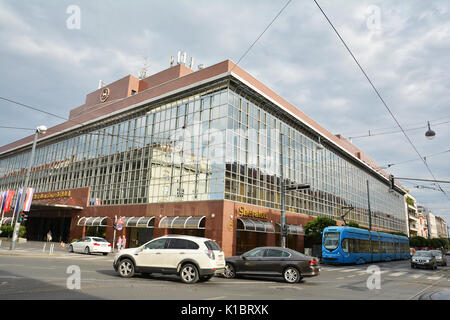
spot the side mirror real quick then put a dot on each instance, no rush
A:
(244, 257)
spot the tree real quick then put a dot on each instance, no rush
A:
(313, 229)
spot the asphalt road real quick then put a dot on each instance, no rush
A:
(52, 277)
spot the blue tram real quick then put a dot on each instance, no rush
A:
(342, 245)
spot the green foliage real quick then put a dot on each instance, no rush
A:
(313, 229)
(7, 231)
(437, 243)
(410, 201)
(353, 224)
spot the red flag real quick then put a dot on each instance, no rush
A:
(9, 197)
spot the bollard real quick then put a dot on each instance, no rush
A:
(1, 243)
(45, 245)
(51, 248)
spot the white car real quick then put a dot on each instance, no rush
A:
(90, 245)
(192, 258)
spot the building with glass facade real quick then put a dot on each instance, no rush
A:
(195, 152)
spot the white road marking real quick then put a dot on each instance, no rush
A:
(434, 278)
(215, 298)
(397, 274)
(348, 270)
(416, 276)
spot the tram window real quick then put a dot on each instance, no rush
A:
(345, 245)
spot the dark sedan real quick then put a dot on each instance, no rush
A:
(272, 261)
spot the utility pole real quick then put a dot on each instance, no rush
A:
(370, 222)
(40, 129)
(282, 218)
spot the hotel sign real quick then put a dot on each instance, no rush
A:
(53, 195)
(252, 214)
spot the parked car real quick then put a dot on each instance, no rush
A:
(440, 258)
(192, 258)
(90, 245)
(272, 261)
(423, 259)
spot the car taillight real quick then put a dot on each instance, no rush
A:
(210, 254)
(313, 262)
(96, 244)
(109, 245)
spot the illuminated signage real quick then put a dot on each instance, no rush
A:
(59, 194)
(252, 214)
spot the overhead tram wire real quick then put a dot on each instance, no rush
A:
(412, 160)
(66, 119)
(397, 131)
(379, 96)
(268, 26)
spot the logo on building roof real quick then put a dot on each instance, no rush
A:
(104, 95)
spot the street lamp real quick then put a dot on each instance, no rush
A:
(39, 130)
(430, 133)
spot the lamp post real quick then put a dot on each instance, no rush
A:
(39, 130)
(283, 190)
(430, 133)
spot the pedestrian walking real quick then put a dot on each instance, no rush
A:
(49, 236)
(124, 241)
(119, 243)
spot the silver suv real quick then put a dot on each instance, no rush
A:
(192, 258)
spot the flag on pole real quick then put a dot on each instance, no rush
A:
(3, 200)
(8, 200)
(16, 208)
(28, 199)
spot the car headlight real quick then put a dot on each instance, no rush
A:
(427, 261)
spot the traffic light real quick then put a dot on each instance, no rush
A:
(22, 217)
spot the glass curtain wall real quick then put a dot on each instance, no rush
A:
(215, 144)
(253, 170)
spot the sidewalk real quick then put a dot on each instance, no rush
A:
(32, 248)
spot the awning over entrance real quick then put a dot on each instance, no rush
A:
(92, 222)
(6, 221)
(244, 224)
(139, 222)
(54, 206)
(294, 229)
(183, 222)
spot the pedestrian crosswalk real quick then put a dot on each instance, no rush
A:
(344, 272)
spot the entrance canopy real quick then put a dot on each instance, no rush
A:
(244, 224)
(190, 222)
(138, 222)
(294, 229)
(92, 222)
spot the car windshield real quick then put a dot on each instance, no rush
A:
(436, 253)
(331, 240)
(422, 254)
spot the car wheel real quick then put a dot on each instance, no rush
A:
(229, 272)
(105, 253)
(291, 275)
(70, 248)
(126, 268)
(87, 251)
(189, 273)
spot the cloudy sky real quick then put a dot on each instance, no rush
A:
(49, 63)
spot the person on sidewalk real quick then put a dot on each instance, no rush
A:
(124, 241)
(119, 243)
(49, 236)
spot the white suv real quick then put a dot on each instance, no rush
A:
(192, 258)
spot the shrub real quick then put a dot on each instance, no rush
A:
(7, 231)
